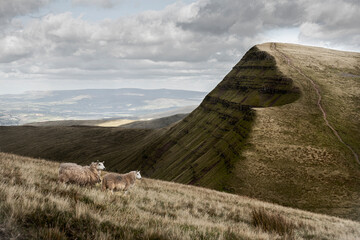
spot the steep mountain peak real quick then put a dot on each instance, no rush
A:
(209, 142)
(283, 126)
(257, 82)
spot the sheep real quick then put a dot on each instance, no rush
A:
(82, 175)
(115, 181)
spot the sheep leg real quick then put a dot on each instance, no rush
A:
(126, 188)
(103, 187)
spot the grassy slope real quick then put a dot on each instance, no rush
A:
(63, 123)
(155, 123)
(203, 148)
(282, 153)
(81, 144)
(34, 206)
(294, 159)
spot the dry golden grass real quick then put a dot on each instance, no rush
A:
(34, 206)
(272, 222)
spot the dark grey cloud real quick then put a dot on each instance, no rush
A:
(333, 21)
(12, 8)
(243, 17)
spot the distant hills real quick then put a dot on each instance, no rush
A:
(95, 104)
(283, 126)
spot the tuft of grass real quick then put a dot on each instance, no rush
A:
(271, 222)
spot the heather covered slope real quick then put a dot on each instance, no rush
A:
(34, 206)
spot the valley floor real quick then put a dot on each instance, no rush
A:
(34, 206)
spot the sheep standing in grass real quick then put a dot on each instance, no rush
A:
(82, 175)
(115, 181)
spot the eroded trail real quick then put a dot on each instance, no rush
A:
(288, 61)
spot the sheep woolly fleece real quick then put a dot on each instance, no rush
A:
(115, 181)
(82, 175)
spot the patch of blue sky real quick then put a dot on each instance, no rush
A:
(288, 35)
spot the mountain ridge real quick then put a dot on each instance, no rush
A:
(291, 144)
(259, 133)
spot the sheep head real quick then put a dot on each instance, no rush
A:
(138, 175)
(98, 165)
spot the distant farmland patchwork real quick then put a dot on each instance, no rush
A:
(94, 104)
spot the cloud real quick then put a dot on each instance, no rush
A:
(335, 23)
(242, 17)
(99, 3)
(13, 48)
(13, 8)
(145, 47)
(181, 43)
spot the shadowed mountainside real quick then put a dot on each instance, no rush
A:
(259, 133)
(203, 148)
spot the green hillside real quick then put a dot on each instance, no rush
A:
(261, 132)
(204, 147)
(81, 144)
(294, 158)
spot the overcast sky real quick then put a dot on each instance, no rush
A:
(192, 44)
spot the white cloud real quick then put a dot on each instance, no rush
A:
(182, 43)
(13, 48)
(334, 23)
(100, 3)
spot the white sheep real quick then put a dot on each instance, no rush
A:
(115, 181)
(82, 175)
